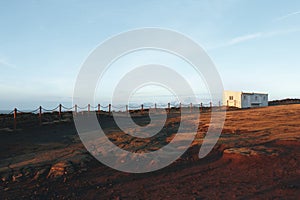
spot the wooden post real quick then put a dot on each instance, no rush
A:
(169, 107)
(15, 118)
(59, 112)
(142, 109)
(227, 103)
(99, 109)
(109, 109)
(201, 107)
(40, 115)
(180, 106)
(89, 108)
(191, 107)
(75, 109)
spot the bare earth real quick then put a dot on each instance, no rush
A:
(256, 157)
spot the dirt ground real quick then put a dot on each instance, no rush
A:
(256, 157)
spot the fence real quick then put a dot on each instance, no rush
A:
(99, 108)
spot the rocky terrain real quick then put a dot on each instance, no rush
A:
(256, 157)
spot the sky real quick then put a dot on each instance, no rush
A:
(254, 44)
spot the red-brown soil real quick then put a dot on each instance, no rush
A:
(256, 157)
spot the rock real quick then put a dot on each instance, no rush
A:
(27, 171)
(59, 169)
(16, 177)
(5, 173)
(40, 173)
(6, 176)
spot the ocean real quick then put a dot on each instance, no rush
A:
(133, 105)
(5, 111)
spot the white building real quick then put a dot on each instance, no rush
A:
(245, 99)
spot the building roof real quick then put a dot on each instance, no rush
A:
(254, 93)
(246, 92)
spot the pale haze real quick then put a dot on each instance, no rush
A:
(255, 45)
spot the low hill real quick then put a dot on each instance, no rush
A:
(284, 102)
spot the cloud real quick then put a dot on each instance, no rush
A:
(287, 15)
(253, 36)
(244, 38)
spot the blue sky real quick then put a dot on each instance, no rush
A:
(255, 45)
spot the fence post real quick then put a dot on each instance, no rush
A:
(169, 107)
(75, 109)
(109, 109)
(40, 115)
(180, 106)
(99, 108)
(15, 118)
(201, 106)
(89, 108)
(191, 107)
(142, 109)
(59, 112)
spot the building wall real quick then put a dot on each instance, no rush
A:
(231, 98)
(244, 100)
(265, 102)
(254, 100)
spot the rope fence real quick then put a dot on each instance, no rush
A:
(14, 114)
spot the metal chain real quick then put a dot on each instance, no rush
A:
(49, 110)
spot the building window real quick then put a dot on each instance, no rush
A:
(230, 97)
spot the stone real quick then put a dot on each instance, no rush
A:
(6, 176)
(59, 169)
(16, 177)
(40, 173)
